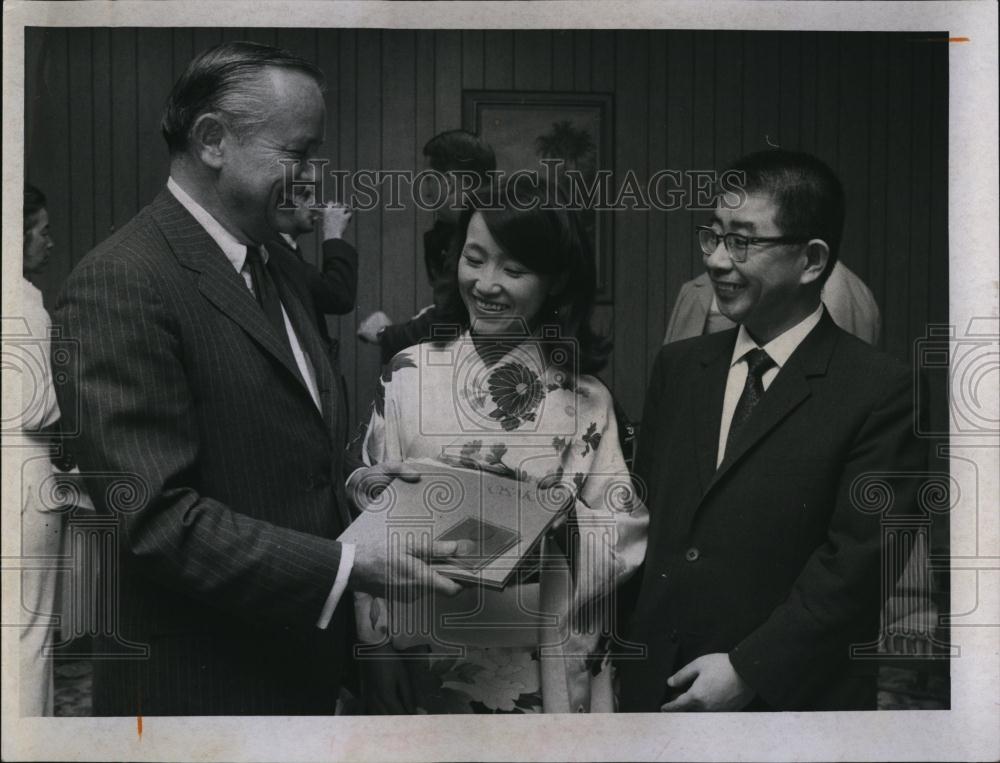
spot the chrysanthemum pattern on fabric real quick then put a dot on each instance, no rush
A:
(516, 390)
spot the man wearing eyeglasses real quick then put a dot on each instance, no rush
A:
(761, 572)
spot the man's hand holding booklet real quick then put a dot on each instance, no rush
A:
(497, 521)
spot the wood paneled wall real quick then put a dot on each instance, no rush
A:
(872, 105)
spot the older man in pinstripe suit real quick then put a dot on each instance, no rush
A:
(202, 381)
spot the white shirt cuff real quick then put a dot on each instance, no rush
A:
(339, 585)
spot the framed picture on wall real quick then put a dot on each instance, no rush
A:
(526, 127)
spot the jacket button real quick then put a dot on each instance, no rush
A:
(692, 554)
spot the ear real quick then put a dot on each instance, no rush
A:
(209, 136)
(817, 255)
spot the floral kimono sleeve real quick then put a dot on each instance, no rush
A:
(609, 517)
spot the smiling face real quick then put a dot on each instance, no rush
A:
(770, 292)
(37, 242)
(252, 179)
(497, 290)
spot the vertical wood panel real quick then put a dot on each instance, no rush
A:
(81, 142)
(369, 226)
(807, 96)
(728, 97)
(562, 60)
(499, 60)
(828, 98)
(937, 266)
(344, 44)
(399, 247)
(854, 135)
(898, 226)
(581, 59)
(603, 80)
(656, 268)
(124, 128)
(702, 118)
(791, 90)
(183, 50)
(630, 230)
(154, 46)
(103, 149)
(472, 60)
(447, 80)
(424, 84)
(328, 59)
(681, 249)
(532, 60)
(205, 37)
(919, 200)
(761, 94)
(938, 252)
(878, 189)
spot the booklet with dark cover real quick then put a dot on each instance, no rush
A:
(503, 519)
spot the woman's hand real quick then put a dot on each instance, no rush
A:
(386, 684)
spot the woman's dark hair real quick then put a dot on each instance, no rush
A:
(534, 225)
(34, 202)
(226, 79)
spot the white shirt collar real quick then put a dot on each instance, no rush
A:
(235, 252)
(780, 348)
(290, 240)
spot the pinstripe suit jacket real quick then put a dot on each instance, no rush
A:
(182, 391)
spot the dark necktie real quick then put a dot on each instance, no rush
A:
(758, 363)
(267, 293)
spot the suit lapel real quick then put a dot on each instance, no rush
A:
(787, 392)
(309, 340)
(218, 281)
(708, 389)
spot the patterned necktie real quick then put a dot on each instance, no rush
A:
(758, 363)
(267, 293)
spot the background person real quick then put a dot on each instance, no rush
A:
(849, 301)
(41, 525)
(450, 152)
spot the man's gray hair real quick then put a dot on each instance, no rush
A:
(226, 79)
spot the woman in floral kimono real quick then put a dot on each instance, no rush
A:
(511, 392)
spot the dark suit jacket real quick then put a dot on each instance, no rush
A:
(332, 292)
(333, 289)
(183, 391)
(766, 558)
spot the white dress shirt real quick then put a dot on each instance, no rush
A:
(779, 349)
(236, 253)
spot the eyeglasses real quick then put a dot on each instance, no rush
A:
(738, 245)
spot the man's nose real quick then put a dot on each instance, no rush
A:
(719, 259)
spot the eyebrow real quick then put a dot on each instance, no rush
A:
(741, 225)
